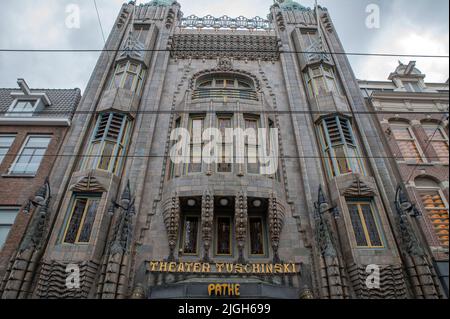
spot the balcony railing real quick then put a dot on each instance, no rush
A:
(224, 93)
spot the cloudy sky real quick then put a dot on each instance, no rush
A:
(406, 27)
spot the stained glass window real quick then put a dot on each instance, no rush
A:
(256, 236)
(439, 141)
(190, 235)
(81, 220)
(129, 76)
(196, 144)
(407, 143)
(365, 224)
(223, 236)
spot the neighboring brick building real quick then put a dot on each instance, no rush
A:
(413, 119)
(33, 124)
(133, 222)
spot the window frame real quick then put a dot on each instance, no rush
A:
(183, 237)
(423, 159)
(3, 208)
(22, 148)
(432, 139)
(326, 75)
(123, 69)
(223, 143)
(12, 113)
(192, 144)
(257, 119)
(13, 136)
(376, 217)
(264, 236)
(75, 197)
(216, 233)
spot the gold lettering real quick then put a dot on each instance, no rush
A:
(189, 267)
(211, 289)
(163, 266)
(197, 267)
(278, 268)
(294, 268)
(172, 266)
(206, 267)
(269, 268)
(229, 268)
(247, 268)
(239, 268)
(180, 267)
(237, 292)
(153, 265)
(287, 270)
(219, 267)
(218, 290)
(255, 268)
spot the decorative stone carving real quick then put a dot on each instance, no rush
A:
(276, 220)
(116, 262)
(333, 279)
(88, 184)
(237, 46)
(241, 220)
(24, 264)
(359, 189)
(170, 18)
(207, 222)
(215, 70)
(133, 49)
(280, 21)
(171, 214)
(421, 272)
(225, 22)
(224, 64)
(122, 18)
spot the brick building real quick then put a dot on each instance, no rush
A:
(132, 219)
(412, 116)
(33, 124)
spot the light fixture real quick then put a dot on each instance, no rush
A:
(191, 202)
(224, 201)
(257, 203)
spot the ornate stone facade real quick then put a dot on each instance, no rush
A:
(311, 228)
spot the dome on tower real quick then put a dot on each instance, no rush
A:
(291, 5)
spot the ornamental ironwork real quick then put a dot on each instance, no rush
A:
(226, 22)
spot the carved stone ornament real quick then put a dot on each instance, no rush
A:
(276, 221)
(207, 222)
(225, 64)
(359, 189)
(241, 218)
(171, 214)
(88, 184)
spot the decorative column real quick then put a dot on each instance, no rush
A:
(276, 220)
(241, 220)
(113, 283)
(207, 222)
(171, 214)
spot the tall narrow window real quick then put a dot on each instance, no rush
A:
(31, 155)
(5, 143)
(190, 235)
(439, 141)
(407, 142)
(341, 154)
(223, 242)
(7, 218)
(321, 80)
(225, 147)
(365, 224)
(129, 76)
(256, 232)
(251, 145)
(109, 142)
(196, 145)
(81, 220)
(436, 208)
(172, 166)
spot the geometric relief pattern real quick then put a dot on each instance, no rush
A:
(359, 189)
(88, 184)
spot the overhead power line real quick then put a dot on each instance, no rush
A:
(225, 50)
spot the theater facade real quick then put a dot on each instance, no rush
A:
(131, 218)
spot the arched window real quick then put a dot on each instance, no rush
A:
(224, 85)
(436, 207)
(407, 142)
